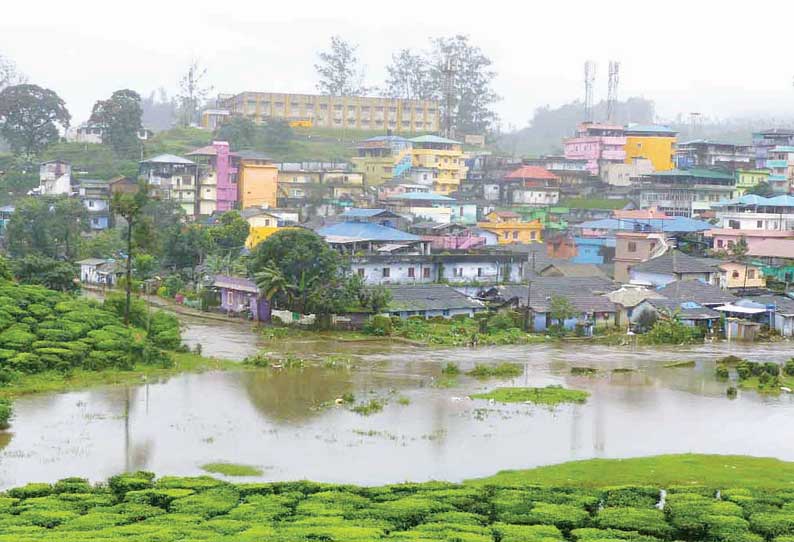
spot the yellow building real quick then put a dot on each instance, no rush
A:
(655, 143)
(508, 228)
(382, 158)
(442, 158)
(257, 180)
(748, 178)
(341, 112)
(741, 275)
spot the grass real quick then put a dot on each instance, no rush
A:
(593, 203)
(445, 382)
(550, 395)
(53, 381)
(661, 471)
(370, 407)
(583, 371)
(622, 370)
(679, 365)
(232, 469)
(403, 400)
(503, 370)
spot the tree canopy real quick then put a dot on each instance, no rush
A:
(339, 69)
(49, 227)
(120, 116)
(763, 189)
(311, 277)
(30, 117)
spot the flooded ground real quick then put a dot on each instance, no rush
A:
(285, 421)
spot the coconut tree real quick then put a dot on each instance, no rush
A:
(272, 282)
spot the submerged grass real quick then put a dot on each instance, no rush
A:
(679, 365)
(550, 395)
(372, 406)
(231, 469)
(55, 381)
(583, 371)
(503, 370)
(661, 471)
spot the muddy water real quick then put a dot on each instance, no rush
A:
(286, 422)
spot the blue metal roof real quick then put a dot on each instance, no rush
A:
(752, 199)
(675, 224)
(366, 232)
(359, 212)
(649, 129)
(421, 196)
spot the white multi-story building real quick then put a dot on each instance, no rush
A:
(757, 213)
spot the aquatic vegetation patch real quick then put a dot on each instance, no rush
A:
(503, 370)
(550, 395)
(450, 369)
(445, 382)
(679, 365)
(232, 469)
(623, 370)
(583, 371)
(6, 411)
(368, 408)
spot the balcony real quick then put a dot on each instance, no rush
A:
(773, 164)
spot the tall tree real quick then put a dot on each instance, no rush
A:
(49, 227)
(193, 92)
(9, 75)
(130, 208)
(229, 233)
(470, 97)
(340, 70)
(120, 116)
(30, 116)
(240, 132)
(409, 77)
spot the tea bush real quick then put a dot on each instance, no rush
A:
(136, 507)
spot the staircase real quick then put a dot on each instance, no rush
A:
(403, 165)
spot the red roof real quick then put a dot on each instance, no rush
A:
(532, 172)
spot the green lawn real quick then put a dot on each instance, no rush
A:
(723, 471)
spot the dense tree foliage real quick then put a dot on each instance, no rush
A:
(30, 117)
(409, 77)
(229, 233)
(763, 189)
(129, 207)
(47, 226)
(339, 69)
(54, 274)
(120, 116)
(314, 276)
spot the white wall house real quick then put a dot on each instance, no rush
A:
(418, 269)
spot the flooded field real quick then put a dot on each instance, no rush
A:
(286, 421)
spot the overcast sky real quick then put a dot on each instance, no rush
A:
(721, 59)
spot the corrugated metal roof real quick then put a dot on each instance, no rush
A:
(680, 224)
(649, 129)
(694, 172)
(365, 231)
(241, 284)
(420, 196)
(168, 159)
(358, 212)
(434, 139)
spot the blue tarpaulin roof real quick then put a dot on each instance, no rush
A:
(752, 199)
(675, 224)
(366, 231)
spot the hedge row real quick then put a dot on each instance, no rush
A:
(137, 507)
(42, 330)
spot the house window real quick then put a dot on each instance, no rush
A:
(360, 271)
(479, 271)
(759, 224)
(751, 273)
(229, 298)
(533, 235)
(445, 312)
(515, 235)
(386, 272)
(411, 273)
(632, 246)
(735, 274)
(90, 203)
(426, 273)
(720, 243)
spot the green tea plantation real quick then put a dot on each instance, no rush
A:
(137, 507)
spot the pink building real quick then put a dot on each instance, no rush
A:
(597, 143)
(227, 177)
(460, 241)
(726, 238)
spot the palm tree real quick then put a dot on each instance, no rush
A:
(271, 282)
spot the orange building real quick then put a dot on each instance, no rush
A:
(257, 180)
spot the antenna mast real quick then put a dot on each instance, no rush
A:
(589, 79)
(612, 90)
(449, 95)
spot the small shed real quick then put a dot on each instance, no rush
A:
(240, 296)
(100, 271)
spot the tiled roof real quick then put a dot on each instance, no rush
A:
(586, 294)
(532, 172)
(630, 296)
(422, 297)
(366, 231)
(697, 291)
(772, 248)
(675, 261)
(576, 270)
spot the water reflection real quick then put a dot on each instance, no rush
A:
(286, 421)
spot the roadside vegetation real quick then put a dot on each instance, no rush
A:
(586, 501)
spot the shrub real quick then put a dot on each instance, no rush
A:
(632, 496)
(72, 485)
(212, 502)
(722, 372)
(135, 481)
(500, 321)
(450, 369)
(788, 368)
(378, 325)
(564, 516)
(6, 411)
(30, 491)
(645, 521)
(505, 532)
(773, 524)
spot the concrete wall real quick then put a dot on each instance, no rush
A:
(258, 184)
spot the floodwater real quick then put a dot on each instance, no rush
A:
(285, 421)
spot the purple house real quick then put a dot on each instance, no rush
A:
(240, 295)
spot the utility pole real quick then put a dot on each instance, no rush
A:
(531, 271)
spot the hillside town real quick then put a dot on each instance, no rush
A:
(315, 283)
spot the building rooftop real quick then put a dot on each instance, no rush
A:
(631, 296)
(242, 284)
(676, 224)
(586, 294)
(420, 196)
(532, 172)
(250, 155)
(696, 291)
(656, 129)
(760, 201)
(574, 270)
(359, 212)
(434, 139)
(366, 231)
(687, 310)
(168, 159)
(677, 262)
(698, 173)
(772, 248)
(787, 234)
(426, 297)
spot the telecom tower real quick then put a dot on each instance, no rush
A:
(589, 79)
(612, 90)
(449, 96)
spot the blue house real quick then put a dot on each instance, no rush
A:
(594, 250)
